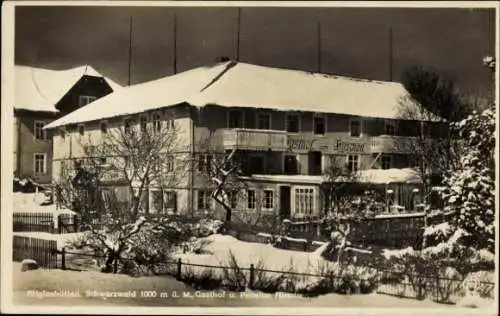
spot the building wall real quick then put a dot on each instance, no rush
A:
(26, 146)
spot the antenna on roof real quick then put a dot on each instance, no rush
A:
(130, 52)
(238, 30)
(175, 43)
(319, 47)
(390, 54)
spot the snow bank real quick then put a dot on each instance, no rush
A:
(250, 253)
(30, 202)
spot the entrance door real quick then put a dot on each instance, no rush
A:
(285, 211)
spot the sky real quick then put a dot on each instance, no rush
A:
(354, 41)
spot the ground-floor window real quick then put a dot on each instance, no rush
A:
(268, 199)
(304, 201)
(40, 163)
(251, 199)
(203, 200)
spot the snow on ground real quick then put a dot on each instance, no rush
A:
(30, 202)
(63, 240)
(247, 253)
(57, 280)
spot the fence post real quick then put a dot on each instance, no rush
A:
(59, 222)
(252, 277)
(179, 269)
(115, 265)
(63, 258)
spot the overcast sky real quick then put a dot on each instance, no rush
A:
(354, 41)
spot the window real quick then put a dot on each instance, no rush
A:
(304, 201)
(353, 162)
(169, 124)
(390, 127)
(268, 199)
(156, 197)
(156, 122)
(291, 164)
(170, 201)
(263, 121)
(319, 125)
(40, 163)
(40, 133)
(102, 160)
(104, 127)
(355, 127)
(235, 119)
(204, 162)
(203, 200)
(170, 163)
(251, 199)
(129, 125)
(292, 123)
(386, 161)
(144, 123)
(257, 164)
(232, 197)
(85, 99)
(81, 130)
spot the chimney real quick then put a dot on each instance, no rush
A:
(222, 59)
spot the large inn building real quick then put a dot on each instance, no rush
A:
(286, 125)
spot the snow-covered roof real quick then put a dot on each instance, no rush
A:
(374, 176)
(39, 89)
(236, 84)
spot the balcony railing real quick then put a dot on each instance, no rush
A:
(392, 144)
(254, 139)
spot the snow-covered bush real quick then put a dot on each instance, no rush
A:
(207, 279)
(480, 283)
(469, 188)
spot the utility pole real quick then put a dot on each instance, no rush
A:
(130, 52)
(175, 43)
(390, 54)
(238, 34)
(319, 47)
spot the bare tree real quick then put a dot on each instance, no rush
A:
(223, 172)
(139, 157)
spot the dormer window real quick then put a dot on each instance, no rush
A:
(85, 99)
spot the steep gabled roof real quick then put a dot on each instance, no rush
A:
(236, 84)
(39, 89)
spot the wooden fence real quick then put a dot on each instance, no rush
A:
(45, 222)
(44, 252)
(390, 231)
(33, 222)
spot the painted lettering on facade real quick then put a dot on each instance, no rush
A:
(349, 147)
(299, 143)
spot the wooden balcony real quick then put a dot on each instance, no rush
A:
(254, 139)
(392, 144)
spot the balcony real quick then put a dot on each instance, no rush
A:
(254, 139)
(392, 144)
